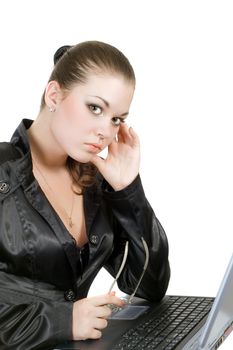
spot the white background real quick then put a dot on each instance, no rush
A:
(182, 53)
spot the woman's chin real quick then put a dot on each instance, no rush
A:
(83, 159)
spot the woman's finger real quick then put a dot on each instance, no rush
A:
(134, 137)
(103, 311)
(123, 134)
(106, 299)
(113, 145)
(100, 323)
(95, 334)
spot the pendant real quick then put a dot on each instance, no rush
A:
(70, 222)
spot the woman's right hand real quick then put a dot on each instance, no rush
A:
(90, 315)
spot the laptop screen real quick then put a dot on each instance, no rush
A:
(220, 320)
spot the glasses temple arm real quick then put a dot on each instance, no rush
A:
(144, 269)
(121, 267)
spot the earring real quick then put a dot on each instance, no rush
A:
(52, 109)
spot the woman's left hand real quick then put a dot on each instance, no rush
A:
(121, 165)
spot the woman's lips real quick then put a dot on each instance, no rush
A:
(93, 147)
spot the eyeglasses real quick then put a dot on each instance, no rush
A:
(128, 299)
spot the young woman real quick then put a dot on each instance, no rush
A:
(65, 211)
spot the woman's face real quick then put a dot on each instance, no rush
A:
(89, 117)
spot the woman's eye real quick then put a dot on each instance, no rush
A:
(95, 109)
(116, 121)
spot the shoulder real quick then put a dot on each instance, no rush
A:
(7, 152)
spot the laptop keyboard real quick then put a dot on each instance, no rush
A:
(176, 318)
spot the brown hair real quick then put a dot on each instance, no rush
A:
(72, 64)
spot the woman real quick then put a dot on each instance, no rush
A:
(65, 211)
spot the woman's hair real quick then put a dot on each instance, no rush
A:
(72, 65)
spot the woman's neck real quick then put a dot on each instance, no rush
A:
(44, 147)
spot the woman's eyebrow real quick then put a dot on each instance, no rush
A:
(107, 105)
(101, 98)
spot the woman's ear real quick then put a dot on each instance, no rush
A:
(52, 95)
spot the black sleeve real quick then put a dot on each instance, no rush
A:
(28, 322)
(133, 218)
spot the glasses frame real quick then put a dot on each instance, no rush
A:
(128, 298)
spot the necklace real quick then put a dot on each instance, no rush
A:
(69, 215)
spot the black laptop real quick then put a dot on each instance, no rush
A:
(177, 322)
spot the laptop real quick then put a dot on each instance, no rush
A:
(177, 322)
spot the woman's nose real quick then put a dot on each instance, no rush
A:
(101, 137)
(105, 129)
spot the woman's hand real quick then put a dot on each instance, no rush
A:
(121, 166)
(90, 315)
